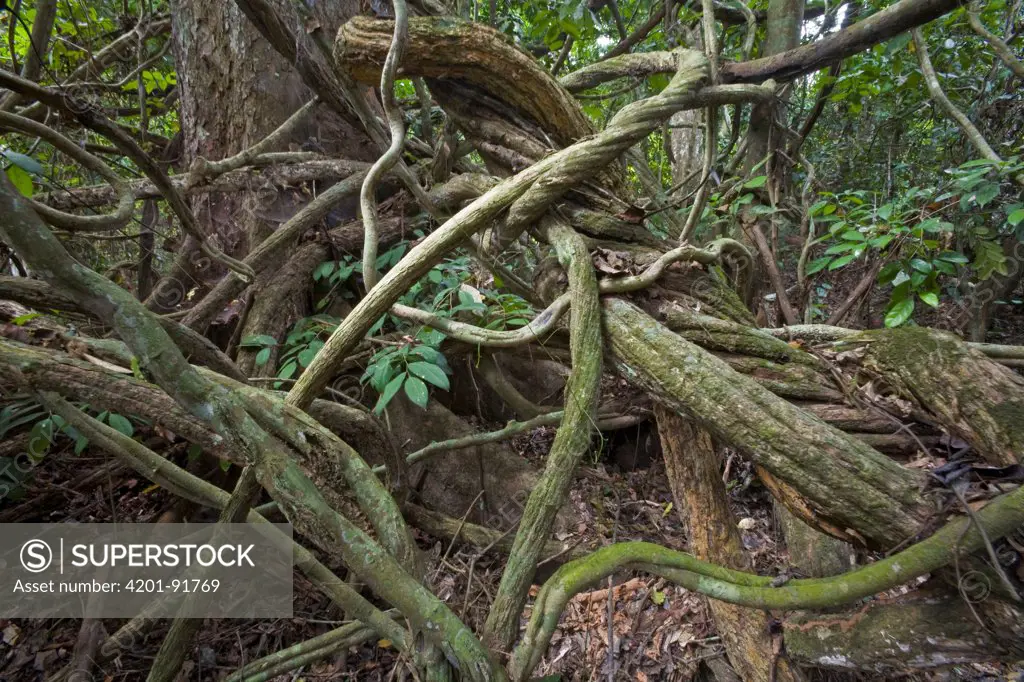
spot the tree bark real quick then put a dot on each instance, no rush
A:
(235, 90)
(694, 475)
(922, 629)
(978, 400)
(849, 484)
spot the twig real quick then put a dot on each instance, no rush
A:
(996, 566)
(563, 55)
(858, 292)
(768, 258)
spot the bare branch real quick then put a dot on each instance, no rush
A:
(95, 120)
(571, 439)
(39, 42)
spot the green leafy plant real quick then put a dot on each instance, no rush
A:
(913, 233)
(21, 170)
(16, 471)
(409, 366)
(299, 348)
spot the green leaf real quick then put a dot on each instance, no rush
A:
(931, 225)
(986, 193)
(389, 392)
(889, 272)
(953, 257)
(840, 262)
(657, 597)
(429, 354)
(1016, 217)
(817, 264)
(40, 438)
(659, 81)
(822, 207)
(899, 313)
(842, 247)
(920, 265)
(930, 298)
(854, 236)
(323, 270)
(898, 43)
(263, 356)
(754, 183)
(382, 373)
(22, 319)
(377, 325)
(257, 341)
(287, 371)
(21, 180)
(25, 163)
(306, 356)
(417, 391)
(121, 424)
(837, 227)
(977, 162)
(430, 373)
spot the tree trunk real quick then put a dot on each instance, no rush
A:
(235, 90)
(850, 485)
(694, 475)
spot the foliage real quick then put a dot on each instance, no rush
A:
(409, 365)
(15, 472)
(922, 233)
(415, 363)
(299, 347)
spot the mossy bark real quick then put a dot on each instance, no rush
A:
(571, 440)
(812, 553)
(279, 299)
(976, 399)
(453, 49)
(848, 484)
(921, 629)
(44, 369)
